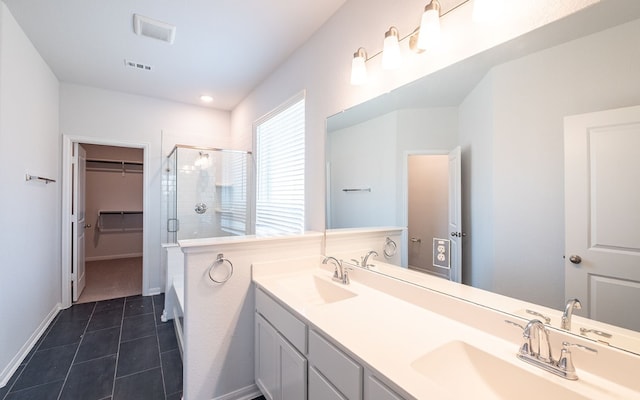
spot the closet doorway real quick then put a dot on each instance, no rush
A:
(433, 209)
(113, 194)
(104, 200)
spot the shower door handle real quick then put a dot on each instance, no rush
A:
(173, 225)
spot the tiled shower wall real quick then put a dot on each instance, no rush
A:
(219, 181)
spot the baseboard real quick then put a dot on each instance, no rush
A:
(246, 393)
(152, 291)
(113, 257)
(10, 369)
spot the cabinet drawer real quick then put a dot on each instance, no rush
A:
(344, 373)
(320, 389)
(294, 330)
(376, 390)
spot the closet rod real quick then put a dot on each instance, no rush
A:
(100, 212)
(115, 162)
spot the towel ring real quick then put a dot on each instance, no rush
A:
(390, 248)
(219, 261)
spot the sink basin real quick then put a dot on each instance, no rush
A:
(470, 373)
(315, 290)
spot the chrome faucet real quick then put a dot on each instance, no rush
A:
(536, 350)
(536, 341)
(572, 304)
(365, 259)
(340, 273)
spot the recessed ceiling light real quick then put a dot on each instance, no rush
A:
(206, 98)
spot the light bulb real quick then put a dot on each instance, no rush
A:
(429, 36)
(358, 67)
(391, 58)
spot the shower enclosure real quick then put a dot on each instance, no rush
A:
(207, 193)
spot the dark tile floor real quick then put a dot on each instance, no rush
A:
(109, 350)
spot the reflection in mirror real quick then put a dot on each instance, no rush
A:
(506, 109)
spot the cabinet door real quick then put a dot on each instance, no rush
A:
(293, 372)
(320, 389)
(376, 390)
(266, 358)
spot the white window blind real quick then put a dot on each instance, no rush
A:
(280, 171)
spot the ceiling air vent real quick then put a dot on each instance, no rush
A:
(137, 65)
(145, 26)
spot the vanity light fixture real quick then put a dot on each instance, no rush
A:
(358, 67)
(391, 58)
(429, 36)
(424, 37)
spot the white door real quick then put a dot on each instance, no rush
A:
(78, 221)
(455, 214)
(602, 214)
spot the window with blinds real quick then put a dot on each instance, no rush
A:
(280, 170)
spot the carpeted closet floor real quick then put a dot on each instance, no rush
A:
(111, 279)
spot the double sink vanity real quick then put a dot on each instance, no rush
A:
(373, 336)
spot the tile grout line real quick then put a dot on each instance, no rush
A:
(115, 370)
(77, 349)
(138, 372)
(155, 328)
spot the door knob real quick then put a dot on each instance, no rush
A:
(87, 226)
(575, 259)
(458, 234)
(416, 240)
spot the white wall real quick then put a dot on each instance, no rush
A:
(30, 211)
(104, 115)
(476, 142)
(363, 157)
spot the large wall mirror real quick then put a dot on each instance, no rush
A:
(505, 109)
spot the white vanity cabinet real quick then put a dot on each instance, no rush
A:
(280, 368)
(327, 373)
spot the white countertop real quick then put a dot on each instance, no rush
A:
(388, 335)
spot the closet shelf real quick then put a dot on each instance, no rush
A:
(114, 166)
(119, 221)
